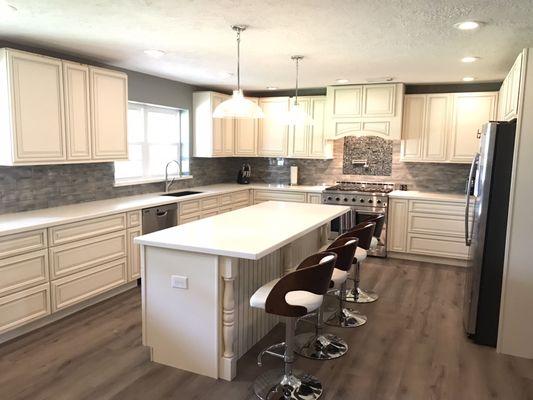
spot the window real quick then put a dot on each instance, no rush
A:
(156, 135)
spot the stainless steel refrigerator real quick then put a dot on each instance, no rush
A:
(487, 195)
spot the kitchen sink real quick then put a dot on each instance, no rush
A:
(182, 193)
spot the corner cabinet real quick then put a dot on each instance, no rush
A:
(443, 127)
(213, 137)
(46, 109)
(366, 110)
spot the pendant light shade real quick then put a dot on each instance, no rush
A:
(296, 116)
(237, 106)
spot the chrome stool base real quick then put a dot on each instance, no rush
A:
(320, 347)
(361, 297)
(348, 319)
(275, 385)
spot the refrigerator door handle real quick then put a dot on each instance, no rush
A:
(468, 240)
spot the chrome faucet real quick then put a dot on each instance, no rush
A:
(167, 183)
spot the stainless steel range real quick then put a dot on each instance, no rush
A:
(366, 200)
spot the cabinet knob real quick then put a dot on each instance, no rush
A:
(478, 135)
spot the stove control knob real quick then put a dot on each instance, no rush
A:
(370, 201)
(329, 197)
(345, 199)
(362, 200)
(337, 199)
(379, 201)
(354, 199)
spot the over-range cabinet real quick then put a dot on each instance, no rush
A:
(489, 183)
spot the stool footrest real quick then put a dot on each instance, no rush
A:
(271, 352)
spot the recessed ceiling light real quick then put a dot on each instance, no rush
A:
(272, 88)
(468, 78)
(154, 53)
(225, 75)
(469, 59)
(342, 81)
(468, 25)
(6, 7)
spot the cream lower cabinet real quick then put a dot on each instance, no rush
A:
(57, 112)
(262, 195)
(427, 228)
(314, 198)
(193, 210)
(24, 307)
(444, 127)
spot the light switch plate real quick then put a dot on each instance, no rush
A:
(179, 282)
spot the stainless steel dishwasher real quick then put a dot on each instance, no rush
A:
(158, 218)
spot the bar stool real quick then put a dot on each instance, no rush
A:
(292, 296)
(365, 233)
(326, 346)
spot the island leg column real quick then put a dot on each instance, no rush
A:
(228, 359)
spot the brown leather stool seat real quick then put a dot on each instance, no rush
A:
(292, 296)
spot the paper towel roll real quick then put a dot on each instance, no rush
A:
(294, 175)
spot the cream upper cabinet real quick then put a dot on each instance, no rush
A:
(31, 109)
(213, 137)
(57, 112)
(442, 127)
(272, 134)
(109, 114)
(77, 114)
(509, 92)
(309, 141)
(471, 111)
(246, 135)
(426, 122)
(369, 110)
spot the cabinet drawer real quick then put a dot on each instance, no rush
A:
(190, 207)
(437, 224)
(225, 209)
(225, 199)
(437, 246)
(209, 203)
(134, 218)
(86, 229)
(24, 271)
(84, 254)
(278, 195)
(241, 204)
(208, 213)
(84, 285)
(189, 218)
(437, 207)
(24, 242)
(23, 307)
(241, 196)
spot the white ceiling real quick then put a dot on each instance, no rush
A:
(411, 40)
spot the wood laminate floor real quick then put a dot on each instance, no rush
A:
(413, 347)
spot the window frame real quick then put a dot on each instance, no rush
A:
(183, 145)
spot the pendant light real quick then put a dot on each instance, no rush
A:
(237, 106)
(296, 116)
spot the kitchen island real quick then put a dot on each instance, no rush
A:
(198, 278)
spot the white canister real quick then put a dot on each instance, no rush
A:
(294, 175)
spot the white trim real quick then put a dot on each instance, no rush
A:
(141, 181)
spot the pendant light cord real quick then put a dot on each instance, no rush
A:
(238, 59)
(297, 59)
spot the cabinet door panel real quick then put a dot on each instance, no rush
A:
(378, 100)
(299, 135)
(37, 99)
(273, 135)
(77, 116)
(317, 133)
(397, 225)
(23, 307)
(347, 101)
(134, 255)
(413, 127)
(246, 135)
(437, 125)
(471, 111)
(109, 104)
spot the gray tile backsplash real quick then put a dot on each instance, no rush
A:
(35, 187)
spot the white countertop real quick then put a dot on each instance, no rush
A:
(250, 232)
(411, 194)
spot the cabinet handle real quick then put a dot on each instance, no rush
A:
(478, 135)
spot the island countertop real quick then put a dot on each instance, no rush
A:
(249, 233)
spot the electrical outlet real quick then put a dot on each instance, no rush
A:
(179, 282)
